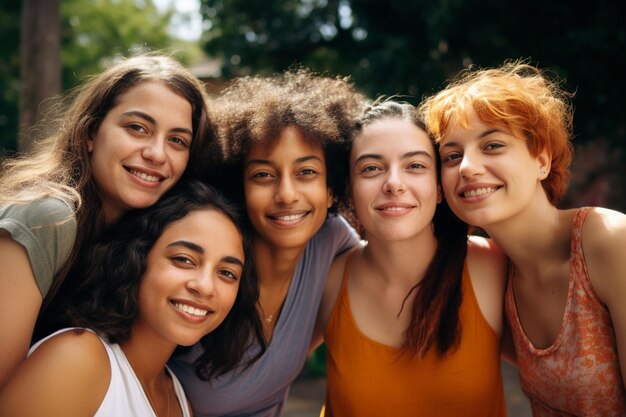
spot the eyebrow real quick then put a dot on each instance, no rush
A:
(268, 162)
(483, 135)
(232, 260)
(153, 121)
(199, 249)
(189, 245)
(404, 156)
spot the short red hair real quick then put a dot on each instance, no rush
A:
(519, 97)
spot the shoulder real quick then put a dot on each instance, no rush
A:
(486, 262)
(333, 286)
(46, 216)
(78, 350)
(603, 241)
(603, 228)
(41, 212)
(484, 252)
(487, 265)
(46, 228)
(70, 362)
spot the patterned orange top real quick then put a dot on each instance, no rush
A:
(368, 378)
(579, 375)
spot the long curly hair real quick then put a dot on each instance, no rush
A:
(256, 109)
(525, 99)
(106, 298)
(435, 309)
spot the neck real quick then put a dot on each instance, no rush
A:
(147, 363)
(401, 262)
(274, 266)
(539, 235)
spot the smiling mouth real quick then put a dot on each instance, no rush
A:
(190, 310)
(479, 192)
(144, 176)
(395, 208)
(289, 217)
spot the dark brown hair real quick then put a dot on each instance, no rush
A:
(435, 309)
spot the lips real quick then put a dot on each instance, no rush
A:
(394, 206)
(145, 176)
(191, 309)
(476, 191)
(287, 218)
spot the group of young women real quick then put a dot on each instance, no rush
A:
(120, 258)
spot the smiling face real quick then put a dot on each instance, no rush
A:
(488, 174)
(285, 190)
(141, 147)
(191, 280)
(393, 175)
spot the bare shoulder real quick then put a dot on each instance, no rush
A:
(486, 253)
(487, 266)
(71, 363)
(76, 347)
(604, 245)
(603, 228)
(332, 288)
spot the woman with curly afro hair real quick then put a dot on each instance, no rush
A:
(283, 143)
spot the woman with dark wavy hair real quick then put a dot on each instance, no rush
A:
(164, 276)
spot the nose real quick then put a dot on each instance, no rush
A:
(287, 192)
(154, 150)
(470, 165)
(393, 182)
(202, 284)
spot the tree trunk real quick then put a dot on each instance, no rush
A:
(40, 65)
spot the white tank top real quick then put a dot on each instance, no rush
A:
(125, 396)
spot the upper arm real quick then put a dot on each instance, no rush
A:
(488, 267)
(67, 375)
(329, 298)
(604, 246)
(20, 301)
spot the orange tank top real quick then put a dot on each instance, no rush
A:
(579, 375)
(367, 378)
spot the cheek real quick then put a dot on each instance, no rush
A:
(179, 163)
(448, 181)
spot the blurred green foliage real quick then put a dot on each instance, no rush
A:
(92, 32)
(411, 47)
(9, 72)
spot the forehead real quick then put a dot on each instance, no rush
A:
(202, 227)
(384, 135)
(290, 142)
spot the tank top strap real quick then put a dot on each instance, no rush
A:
(577, 227)
(578, 265)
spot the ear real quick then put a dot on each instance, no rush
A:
(89, 144)
(544, 162)
(329, 199)
(439, 194)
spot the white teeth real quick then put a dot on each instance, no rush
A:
(394, 209)
(479, 191)
(291, 217)
(191, 310)
(144, 176)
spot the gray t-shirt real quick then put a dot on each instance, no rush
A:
(261, 389)
(47, 229)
